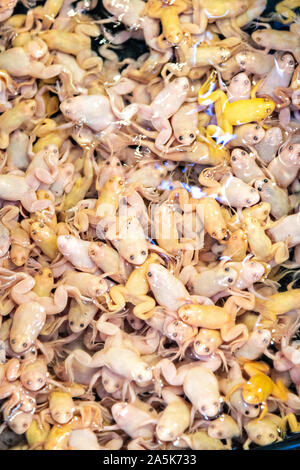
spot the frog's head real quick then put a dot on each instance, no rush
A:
(250, 394)
(175, 36)
(142, 374)
(286, 63)
(261, 38)
(186, 136)
(34, 378)
(238, 157)
(269, 106)
(240, 84)
(20, 422)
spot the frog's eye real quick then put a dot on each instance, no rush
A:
(131, 257)
(107, 163)
(257, 127)
(226, 269)
(259, 189)
(192, 136)
(291, 147)
(291, 62)
(265, 180)
(180, 137)
(143, 253)
(233, 159)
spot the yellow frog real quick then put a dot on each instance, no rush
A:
(81, 185)
(135, 291)
(45, 238)
(168, 12)
(36, 434)
(236, 113)
(285, 10)
(44, 283)
(260, 387)
(278, 304)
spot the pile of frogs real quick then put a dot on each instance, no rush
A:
(149, 208)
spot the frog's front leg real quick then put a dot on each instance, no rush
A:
(210, 97)
(232, 390)
(265, 410)
(164, 128)
(170, 373)
(30, 202)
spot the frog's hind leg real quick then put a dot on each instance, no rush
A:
(280, 391)
(291, 419)
(231, 392)
(255, 367)
(117, 299)
(144, 306)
